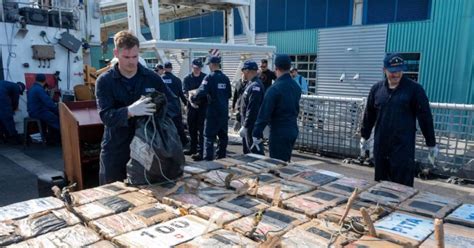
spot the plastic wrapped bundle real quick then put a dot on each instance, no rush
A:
(167, 234)
(291, 170)
(354, 216)
(346, 185)
(8, 233)
(223, 176)
(154, 213)
(46, 222)
(224, 215)
(288, 189)
(185, 196)
(403, 228)
(25, 208)
(388, 193)
(212, 194)
(316, 178)
(372, 242)
(253, 180)
(454, 236)
(94, 194)
(118, 224)
(202, 166)
(430, 205)
(317, 233)
(275, 221)
(313, 203)
(221, 239)
(462, 215)
(244, 205)
(102, 244)
(74, 236)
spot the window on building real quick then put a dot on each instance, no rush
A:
(357, 12)
(388, 11)
(306, 65)
(412, 60)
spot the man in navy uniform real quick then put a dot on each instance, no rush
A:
(196, 113)
(279, 110)
(250, 103)
(217, 90)
(120, 97)
(9, 98)
(393, 105)
(159, 69)
(175, 85)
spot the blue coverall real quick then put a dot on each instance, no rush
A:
(175, 85)
(279, 110)
(9, 97)
(114, 94)
(195, 117)
(394, 113)
(301, 81)
(216, 88)
(250, 103)
(41, 106)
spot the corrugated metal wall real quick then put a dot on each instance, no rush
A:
(295, 42)
(350, 50)
(446, 46)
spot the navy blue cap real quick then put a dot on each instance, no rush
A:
(168, 65)
(197, 62)
(40, 77)
(21, 86)
(394, 63)
(250, 65)
(159, 67)
(283, 61)
(214, 60)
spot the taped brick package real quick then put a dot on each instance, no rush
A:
(244, 205)
(74, 236)
(202, 166)
(102, 244)
(372, 242)
(291, 170)
(316, 178)
(185, 196)
(114, 225)
(45, 222)
(430, 205)
(113, 205)
(221, 239)
(209, 211)
(161, 190)
(25, 208)
(288, 189)
(463, 215)
(167, 234)
(388, 193)
(219, 177)
(454, 236)
(211, 193)
(247, 158)
(262, 165)
(354, 216)
(154, 213)
(347, 185)
(275, 221)
(313, 203)
(8, 233)
(262, 178)
(228, 162)
(94, 194)
(317, 233)
(403, 228)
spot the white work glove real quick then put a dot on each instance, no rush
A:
(243, 131)
(256, 143)
(141, 107)
(364, 147)
(433, 153)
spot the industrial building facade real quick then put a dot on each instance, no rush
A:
(339, 45)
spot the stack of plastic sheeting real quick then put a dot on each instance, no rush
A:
(113, 205)
(222, 177)
(25, 208)
(94, 194)
(220, 238)
(313, 203)
(202, 166)
(167, 234)
(430, 205)
(74, 236)
(403, 228)
(102, 244)
(347, 185)
(317, 233)
(288, 189)
(262, 178)
(454, 236)
(275, 221)
(372, 242)
(45, 222)
(291, 170)
(464, 215)
(335, 214)
(388, 193)
(316, 178)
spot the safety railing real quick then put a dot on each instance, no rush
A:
(331, 126)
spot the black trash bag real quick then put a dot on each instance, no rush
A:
(156, 153)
